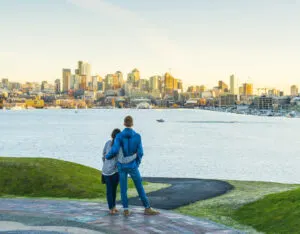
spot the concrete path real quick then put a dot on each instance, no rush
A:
(60, 217)
(182, 192)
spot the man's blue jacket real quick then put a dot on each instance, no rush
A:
(131, 143)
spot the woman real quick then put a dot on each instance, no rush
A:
(110, 172)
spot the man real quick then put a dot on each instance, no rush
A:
(131, 144)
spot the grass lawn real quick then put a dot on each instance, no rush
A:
(43, 177)
(231, 209)
(276, 213)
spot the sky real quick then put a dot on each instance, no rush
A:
(198, 41)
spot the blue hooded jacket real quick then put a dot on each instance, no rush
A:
(131, 143)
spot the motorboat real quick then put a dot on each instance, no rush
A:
(160, 120)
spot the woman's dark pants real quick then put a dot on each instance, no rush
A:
(111, 189)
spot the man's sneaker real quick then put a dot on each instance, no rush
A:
(150, 211)
(126, 213)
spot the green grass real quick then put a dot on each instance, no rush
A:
(43, 177)
(223, 209)
(276, 213)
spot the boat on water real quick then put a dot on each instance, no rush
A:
(160, 120)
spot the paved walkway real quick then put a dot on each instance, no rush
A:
(182, 192)
(60, 217)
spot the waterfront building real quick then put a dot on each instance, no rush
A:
(228, 99)
(66, 79)
(294, 90)
(264, 103)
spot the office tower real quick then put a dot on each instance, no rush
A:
(247, 89)
(154, 83)
(66, 79)
(223, 87)
(233, 84)
(168, 83)
(120, 78)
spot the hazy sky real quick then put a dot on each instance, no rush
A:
(201, 41)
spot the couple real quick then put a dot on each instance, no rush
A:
(122, 156)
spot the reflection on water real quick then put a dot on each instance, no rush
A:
(191, 143)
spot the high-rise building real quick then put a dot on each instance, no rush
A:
(168, 83)
(66, 79)
(223, 87)
(233, 85)
(154, 83)
(109, 81)
(294, 90)
(57, 86)
(76, 82)
(247, 89)
(84, 69)
(136, 76)
(120, 78)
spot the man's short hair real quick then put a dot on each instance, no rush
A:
(128, 121)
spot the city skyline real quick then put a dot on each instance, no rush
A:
(202, 42)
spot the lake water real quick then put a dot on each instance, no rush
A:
(191, 143)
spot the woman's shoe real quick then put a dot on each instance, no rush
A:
(111, 212)
(115, 210)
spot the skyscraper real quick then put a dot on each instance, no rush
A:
(66, 79)
(248, 89)
(294, 90)
(84, 69)
(169, 83)
(57, 86)
(223, 86)
(120, 78)
(154, 83)
(233, 85)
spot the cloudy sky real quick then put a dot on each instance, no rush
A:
(199, 41)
